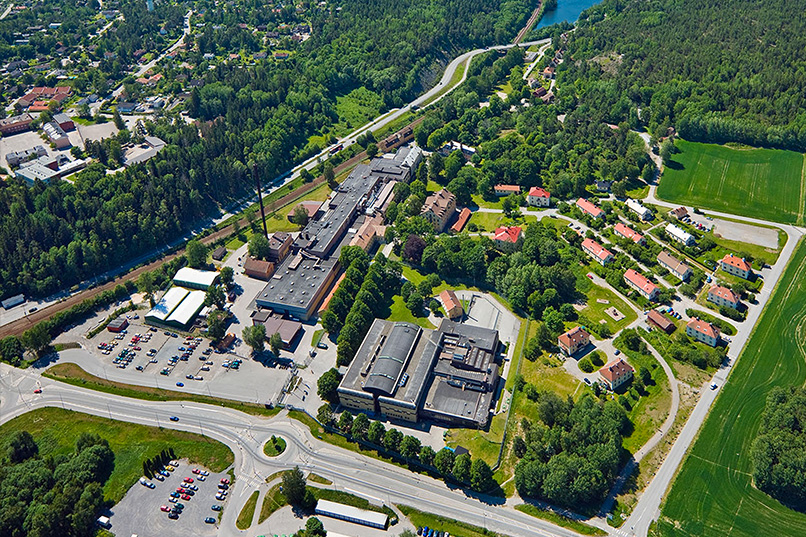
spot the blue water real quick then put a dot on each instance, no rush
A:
(567, 11)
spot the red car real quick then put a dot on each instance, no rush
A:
(38, 390)
(185, 497)
(138, 349)
(188, 480)
(196, 471)
(164, 508)
(225, 480)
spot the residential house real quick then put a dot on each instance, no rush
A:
(703, 331)
(638, 208)
(548, 72)
(679, 235)
(219, 253)
(722, 296)
(573, 341)
(736, 266)
(506, 190)
(661, 321)
(679, 213)
(597, 251)
(18, 157)
(538, 197)
(615, 374)
(439, 208)
(678, 268)
(603, 186)
(464, 216)
(257, 268)
(626, 232)
(640, 283)
(589, 208)
(508, 239)
(452, 305)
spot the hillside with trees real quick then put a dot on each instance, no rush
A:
(722, 71)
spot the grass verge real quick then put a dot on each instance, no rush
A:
(275, 446)
(454, 527)
(246, 515)
(560, 520)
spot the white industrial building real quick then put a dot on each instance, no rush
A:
(352, 514)
(186, 311)
(195, 279)
(167, 305)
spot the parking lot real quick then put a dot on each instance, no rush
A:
(168, 368)
(140, 513)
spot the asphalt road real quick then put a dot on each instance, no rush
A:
(246, 434)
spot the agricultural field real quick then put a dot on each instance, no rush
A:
(713, 494)
(761, 183)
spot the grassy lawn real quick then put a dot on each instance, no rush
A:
(317, 337)
(316, 478)
(272, 501)
(454, 527)
(275, 446)
(759, 253)
(491, 221)
(399, 312)
(481, 202)
(595, 310)
(652, 408)
(73, 374)
(713, 494)
(560, 520)
(481, 444)
(246, 515)
(56, 431)
(762, 183)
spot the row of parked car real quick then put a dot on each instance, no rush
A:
(431, 532)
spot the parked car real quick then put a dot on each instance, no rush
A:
(216, 507)
(186, 497)
(188, 480)
(173, 516)
(165, 508)
(209, 520)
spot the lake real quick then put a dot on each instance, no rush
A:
(567, 11)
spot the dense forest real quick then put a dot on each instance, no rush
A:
(573, 453)
(779, 467)
(727, 70)
(53, 497)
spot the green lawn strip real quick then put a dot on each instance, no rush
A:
(651, 409)
(763, 183)
(56, 431)
(560, 520)
(275, 447)
(75, 375)
(246, 515)
(400, 313)
(481, 202)
(317, 337)
(393, 126)
(272, 501)
(713, 494)
(316, 478)
(490, 221)
(441, 523)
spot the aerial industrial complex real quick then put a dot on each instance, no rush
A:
(302, 279)
(402, 371)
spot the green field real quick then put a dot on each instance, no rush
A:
(356, 109)
(713, 494)
(56, 431)
(761, 183)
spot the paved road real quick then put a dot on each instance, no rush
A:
(246, 434)
(7, 11)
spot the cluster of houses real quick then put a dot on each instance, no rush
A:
(612, 375)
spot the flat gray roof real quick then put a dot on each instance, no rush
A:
(296, 287)
(326, 507)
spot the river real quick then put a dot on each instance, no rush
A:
(567, 11)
